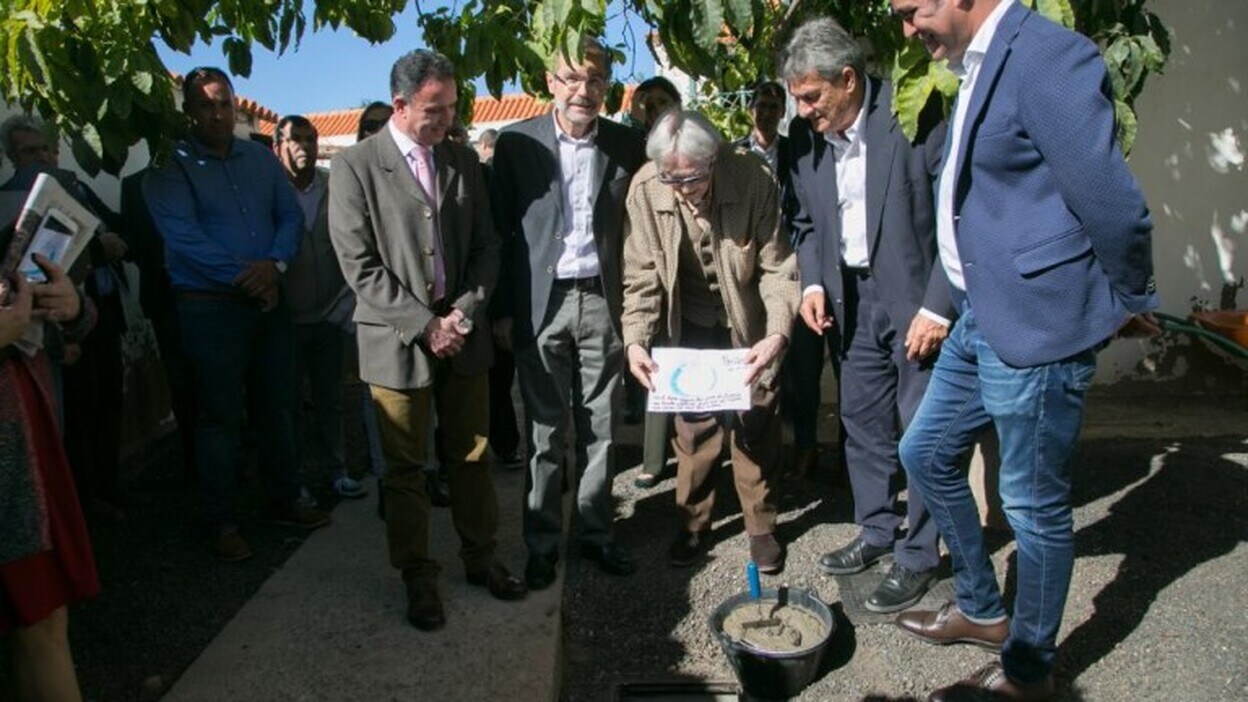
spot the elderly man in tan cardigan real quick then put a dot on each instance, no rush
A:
(706, 266)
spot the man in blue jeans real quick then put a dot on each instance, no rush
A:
(231, 225)
(1046, 240)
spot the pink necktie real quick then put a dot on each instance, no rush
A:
(426, 176)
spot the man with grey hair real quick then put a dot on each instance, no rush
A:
(866, 248)
(706, 267)
(485, 145)
(409, 218)
(558, 189)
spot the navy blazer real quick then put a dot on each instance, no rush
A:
(901, 224)
(1052, 229)
(527, 199)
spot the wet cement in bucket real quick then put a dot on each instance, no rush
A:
(767, 625)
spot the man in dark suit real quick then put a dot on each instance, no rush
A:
(1046, 239)
(866, 251)
(409, 217)
(558, 191)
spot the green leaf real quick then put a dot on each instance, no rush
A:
(708, 19)
(142, 81)
(1059, 11)
(87, 148)
(1127, 124)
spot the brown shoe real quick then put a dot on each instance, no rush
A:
(302, 517)
(947, 625)
(990, 684)
(424, 606)
(766, 553)
(229, 547)
(499, 581)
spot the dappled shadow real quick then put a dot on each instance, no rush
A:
(1186, 509)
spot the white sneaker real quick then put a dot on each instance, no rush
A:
(348, 487)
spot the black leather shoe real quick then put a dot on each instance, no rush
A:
(500, 582)
(688, 548)
(853, 558)
(991, 684)
(901, 589)
(611, 559)
(424, 606)
(539, 572)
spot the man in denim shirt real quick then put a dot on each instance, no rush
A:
(231, 224)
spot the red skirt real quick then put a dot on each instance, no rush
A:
(32, 588)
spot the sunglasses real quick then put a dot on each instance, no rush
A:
(678, 181)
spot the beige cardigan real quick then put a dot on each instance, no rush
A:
(755, 264)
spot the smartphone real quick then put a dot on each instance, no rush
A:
(51, 240)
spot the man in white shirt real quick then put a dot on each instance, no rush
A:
(866, 252)
(1046, 241)
(557, 191)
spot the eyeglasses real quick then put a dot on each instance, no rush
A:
(681, 181)
(575, 82)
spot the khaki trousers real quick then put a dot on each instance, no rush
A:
(403, 418)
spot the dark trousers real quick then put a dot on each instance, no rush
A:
(803, 372)
(879, 393)
(504, 432)
(241, 357)
(93, 407)
(319, 351)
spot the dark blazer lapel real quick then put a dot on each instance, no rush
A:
(985, 82)
(880, 148)
(600, 163)
(447, 172)
(444, 163)
(547, 136)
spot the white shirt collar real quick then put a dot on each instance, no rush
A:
(404, 142)
(978, 47)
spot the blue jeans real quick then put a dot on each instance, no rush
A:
(236, 352)
(1037, 412)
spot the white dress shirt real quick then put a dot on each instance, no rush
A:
(849, 150)
(968, 71)
(770, 154)
(579, 258)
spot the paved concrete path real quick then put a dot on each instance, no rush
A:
(331, 625)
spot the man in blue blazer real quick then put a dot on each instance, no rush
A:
(866, 251)
(1046, 240)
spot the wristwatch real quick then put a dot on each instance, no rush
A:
(280, 265)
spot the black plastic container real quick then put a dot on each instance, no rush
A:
(772, 674)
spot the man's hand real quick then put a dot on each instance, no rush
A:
(814, 313)
(641, 365)
(1141, 326)
(70, 354)
(114, 246)
(924, 337)
(442, 337)
(268, 299)
(502, 333)
(257, 278)
(57, 299)
(15, 315)
(763, 354)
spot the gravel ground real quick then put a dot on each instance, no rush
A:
(1160, 538)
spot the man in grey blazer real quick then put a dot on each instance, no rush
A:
(558, 188)
(409, 217)
(866, 249)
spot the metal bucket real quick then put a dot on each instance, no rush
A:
(774, 674)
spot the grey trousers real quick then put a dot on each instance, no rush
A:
(573, 366)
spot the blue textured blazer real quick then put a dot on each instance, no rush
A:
(1051, 226)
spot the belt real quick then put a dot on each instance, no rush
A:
(590, 284)
(862, 273)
